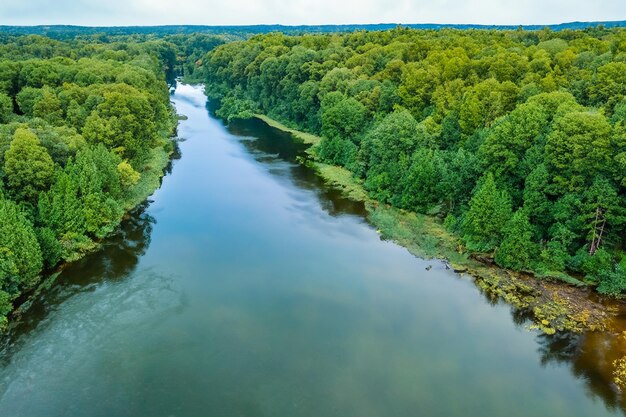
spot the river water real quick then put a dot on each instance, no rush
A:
(248, 288)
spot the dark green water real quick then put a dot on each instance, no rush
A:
(247, 288)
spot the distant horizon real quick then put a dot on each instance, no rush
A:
(383, 23)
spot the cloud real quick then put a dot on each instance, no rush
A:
(242, 12)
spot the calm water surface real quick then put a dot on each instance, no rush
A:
(248, 288)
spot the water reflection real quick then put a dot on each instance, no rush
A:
(589, 356)
(278, 152)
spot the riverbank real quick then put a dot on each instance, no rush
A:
(152, 173)
(552, 304)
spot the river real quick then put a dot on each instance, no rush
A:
(246, 287)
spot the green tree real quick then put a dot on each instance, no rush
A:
(517, 250)
(345, 119)
(60, 208)
(423, 183)
(26, 99)
(28, 166)
(489, 211)
(579, 148)
(20, 255)
(602, 213)
(51, 249)
(537, 201)
(507, 143)
(128, 176)
(6, 108)
(385, 153)
(48, 107)
(555, 255)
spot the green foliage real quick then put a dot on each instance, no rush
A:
(489, 211)
(27, 98)
(595, 266)
(60, 208)
(422, 184)
(128, 176)
(51, 249)
(28, 166)
(5, 308)
(6, 108)
(612, 282)
(517, 249)
(344, 119)
(385, 153)
(338, 151)
(555, 255)
(506, 145)
(48, 107)
(602, 269)
(124, 121)
(579, 148)
(20, 255)
(233, 108)
(602, 208)
(536, 197)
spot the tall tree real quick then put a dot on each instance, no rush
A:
(28, 166)
(20, 255)
(6, 108)
(489, 211)
(517, 250)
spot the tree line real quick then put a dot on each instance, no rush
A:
(81, 122)
(515, 139)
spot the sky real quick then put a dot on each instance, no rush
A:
(298, 12)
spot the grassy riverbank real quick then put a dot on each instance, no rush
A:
(307, 138)
(553, 305)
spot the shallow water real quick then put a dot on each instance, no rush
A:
(248, 288)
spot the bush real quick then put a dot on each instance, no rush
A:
(612, 282)
(592, 266)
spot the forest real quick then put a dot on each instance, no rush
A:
(515, 140)
(85, 127)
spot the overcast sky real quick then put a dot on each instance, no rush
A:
(295, 12)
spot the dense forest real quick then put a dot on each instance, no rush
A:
(515, 139)
(84, 136)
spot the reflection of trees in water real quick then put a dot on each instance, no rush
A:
(176, 155)
(115, 260)
(278, 151)
(589, 357)
(118, 256)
